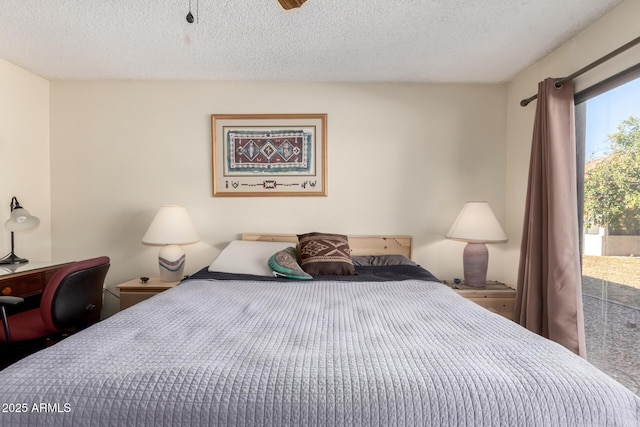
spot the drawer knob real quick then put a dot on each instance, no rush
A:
(7, 291)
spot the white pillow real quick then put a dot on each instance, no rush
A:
(247, 257)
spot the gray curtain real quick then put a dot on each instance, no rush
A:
(549, 293)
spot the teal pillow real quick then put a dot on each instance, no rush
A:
(285, 264)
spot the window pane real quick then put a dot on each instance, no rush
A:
(611, 231)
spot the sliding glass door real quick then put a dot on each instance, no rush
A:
(608, 135)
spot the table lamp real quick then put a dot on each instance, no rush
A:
(170, 228)
(20, 220)
(476, 224)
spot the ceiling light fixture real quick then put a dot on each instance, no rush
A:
(190, 17)
(291, 4)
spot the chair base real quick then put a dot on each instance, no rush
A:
(10, 354)
(19, 350)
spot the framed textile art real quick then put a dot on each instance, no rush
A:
(269, 154)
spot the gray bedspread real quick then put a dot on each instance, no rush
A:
(231, 353)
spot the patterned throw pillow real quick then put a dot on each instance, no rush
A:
(284, 264)
(325, 254)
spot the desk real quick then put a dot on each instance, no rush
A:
(26, 280)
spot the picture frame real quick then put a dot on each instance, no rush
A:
(269, 155)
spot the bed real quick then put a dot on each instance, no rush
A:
(398, 348)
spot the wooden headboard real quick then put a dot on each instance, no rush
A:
(360, 245)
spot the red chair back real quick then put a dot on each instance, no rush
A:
(73, 296)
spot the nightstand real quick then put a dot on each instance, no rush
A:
(134, 291)
(495, 296)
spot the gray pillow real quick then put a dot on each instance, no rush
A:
(381, 260)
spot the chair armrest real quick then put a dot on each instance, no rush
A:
(7, 300)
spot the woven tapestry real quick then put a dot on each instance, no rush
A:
(269, 154)
(286, 151)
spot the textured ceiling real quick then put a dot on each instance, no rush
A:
(324, 40)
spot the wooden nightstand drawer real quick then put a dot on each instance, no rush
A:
(501, 305)
(134, 291)
(495, 296)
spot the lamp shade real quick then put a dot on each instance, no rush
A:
(21, 220)
(172, 225)
(477, 223)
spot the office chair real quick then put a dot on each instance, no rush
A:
(71, 300)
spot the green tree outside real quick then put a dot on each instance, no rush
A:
(612, 183)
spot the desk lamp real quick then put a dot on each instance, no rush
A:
(476, 224)
(170, 228)
(20, 220)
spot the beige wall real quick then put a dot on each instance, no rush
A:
(610, 32)
(24, 147)
(402, 158)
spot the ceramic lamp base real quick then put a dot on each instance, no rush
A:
(474, 262)
(171, 262)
